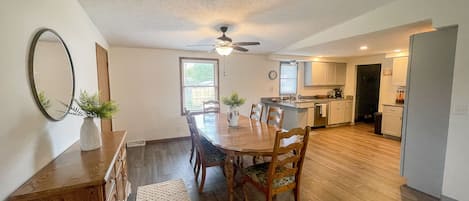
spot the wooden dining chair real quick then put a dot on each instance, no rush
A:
(211, 106)
(275, 117)
(256, 111)
(189, 121)
(283, 173)
(207, 154)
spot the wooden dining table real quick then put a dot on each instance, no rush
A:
(250, 137)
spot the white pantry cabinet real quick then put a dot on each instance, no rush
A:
(340, 111)
(392, 120)
(399, 71)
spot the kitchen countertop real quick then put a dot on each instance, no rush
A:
(302, 104)
(394, 105)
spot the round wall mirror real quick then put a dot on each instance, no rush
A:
(51, 74)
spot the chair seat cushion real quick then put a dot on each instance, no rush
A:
(258, 173)
(212, 154)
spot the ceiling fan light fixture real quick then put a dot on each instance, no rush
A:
(224, 50)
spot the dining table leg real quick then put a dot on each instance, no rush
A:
(230, 157)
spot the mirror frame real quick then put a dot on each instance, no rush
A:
(32, 81)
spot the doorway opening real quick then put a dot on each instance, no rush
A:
(367, 97)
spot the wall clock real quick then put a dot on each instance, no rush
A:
(273, 75)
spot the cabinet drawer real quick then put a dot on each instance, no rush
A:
(110, 189)
(391, 110)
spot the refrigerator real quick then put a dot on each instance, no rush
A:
(427, 109)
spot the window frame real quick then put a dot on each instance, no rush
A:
(280, 78)
(181, 78)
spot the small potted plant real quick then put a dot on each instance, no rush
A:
(233, 113)
(89, 107)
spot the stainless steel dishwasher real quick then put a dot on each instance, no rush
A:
(320, 115)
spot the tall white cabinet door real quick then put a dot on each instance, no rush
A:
(399, 71)
(319, 73)
(331, 75)
(336, 112)
(348, 111)
(341, 71)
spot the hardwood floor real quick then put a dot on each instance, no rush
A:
(343, 163)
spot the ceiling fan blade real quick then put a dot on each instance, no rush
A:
(246, 43)
(200, 45)
(242, 49)
(225, 38)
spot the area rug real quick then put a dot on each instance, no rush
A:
(173, 190)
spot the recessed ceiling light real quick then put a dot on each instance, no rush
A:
(364, 47)
(397, 50)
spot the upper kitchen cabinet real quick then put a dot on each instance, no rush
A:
(324, 74)
(399, 71)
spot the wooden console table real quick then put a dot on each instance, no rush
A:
(98, 175)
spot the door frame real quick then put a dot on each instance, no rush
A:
(355, 113)
(108, 88)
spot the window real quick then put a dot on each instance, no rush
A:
(288, 78)
(199, 82)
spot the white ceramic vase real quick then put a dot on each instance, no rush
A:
(90, 136)
(233, 116)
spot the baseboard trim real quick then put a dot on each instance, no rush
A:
(446, 198)
(168, 140)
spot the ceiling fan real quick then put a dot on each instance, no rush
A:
(225, 44)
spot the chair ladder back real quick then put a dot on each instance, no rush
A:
(295, 151)
(196, 136)
(256, 111)
(211, 106)
(275, 117)
(188, 114)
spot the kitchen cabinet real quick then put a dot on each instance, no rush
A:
(310, 117)
(341, 70)
(392, 120)
(340, 111)
(348, 110)
(324, 74)
(399, 71)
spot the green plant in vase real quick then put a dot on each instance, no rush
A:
(89, 107)
(234, 101)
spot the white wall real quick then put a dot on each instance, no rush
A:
(145, 83)
(442, 13)
(387, 90)
(28, 141)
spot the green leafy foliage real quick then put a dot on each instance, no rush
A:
(89, 106)
(45, 102)
(199, 74)
(234, 100)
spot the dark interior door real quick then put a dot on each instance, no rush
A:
(368, 82)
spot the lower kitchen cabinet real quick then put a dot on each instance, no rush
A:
(340, 111)
(392, 120)
(348, 111)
